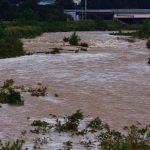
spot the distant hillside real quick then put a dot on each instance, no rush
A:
(108, 4)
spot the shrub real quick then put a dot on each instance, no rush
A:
(55, 51)
(11, 47)
(87, 144)
(148, 44)
(74, 39)
(95, 124)
(71, 123)
(38, 91)
(134, 138)
(8, 83)
(17, 145)
(40, 123)
(67, 145)
(77, 51)
(9, 95)
(66, 39)
(41, 127)
(78, 115)
(83, 44)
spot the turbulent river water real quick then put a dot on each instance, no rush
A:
(111, 80)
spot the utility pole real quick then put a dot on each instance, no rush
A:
(85, 9)
(82, 13)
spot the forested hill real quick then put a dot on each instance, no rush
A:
(104, 4)
(30, 9)
(118, 4)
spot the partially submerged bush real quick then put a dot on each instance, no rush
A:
(38, 142)
(97, 124)
(39, 123)
(37, 91)
(87, 144)
(67, 145)
(9, 95)
(11, 47)
(84, 44)
(16, 145)
(135, 138)
(41, 127)
(55, 51)
(66, 39)
(71, 122)
(74, 39)
(148, 44)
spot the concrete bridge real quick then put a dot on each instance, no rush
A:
(79, 14)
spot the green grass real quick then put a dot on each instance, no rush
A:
(22, 31)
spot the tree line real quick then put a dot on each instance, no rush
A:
(108, 4)
(29, 9)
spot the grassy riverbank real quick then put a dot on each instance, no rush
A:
(27, 28)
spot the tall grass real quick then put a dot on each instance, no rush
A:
(22, 31)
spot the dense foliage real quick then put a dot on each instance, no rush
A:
(105, 4)
(30, 9)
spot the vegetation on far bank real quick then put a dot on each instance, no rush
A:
(12, 31)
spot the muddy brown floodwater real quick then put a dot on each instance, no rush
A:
(111, 80)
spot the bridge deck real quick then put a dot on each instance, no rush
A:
(114, 13)
(135, 11)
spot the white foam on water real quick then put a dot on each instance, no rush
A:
(51, 99)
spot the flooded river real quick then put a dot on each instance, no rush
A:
(111, 80)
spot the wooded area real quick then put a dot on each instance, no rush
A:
(104, 4)
(29, 9)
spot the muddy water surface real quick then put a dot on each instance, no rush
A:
(111, 81)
